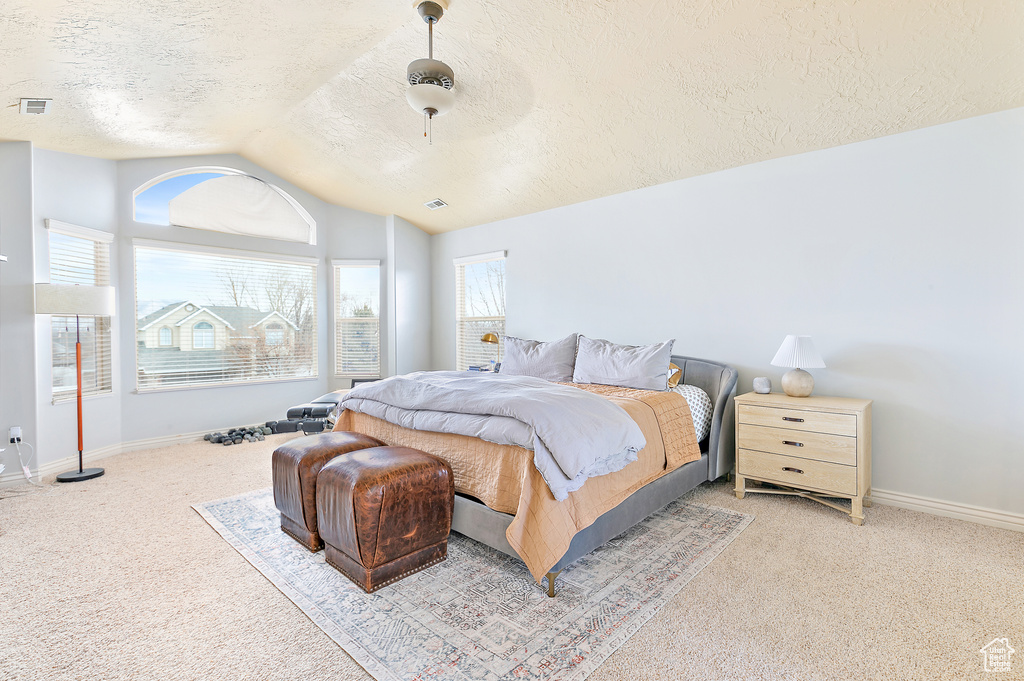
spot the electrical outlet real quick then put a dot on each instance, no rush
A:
(15, 434)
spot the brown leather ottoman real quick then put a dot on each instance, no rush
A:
(384, 513)
(295, 467)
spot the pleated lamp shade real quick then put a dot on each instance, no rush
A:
(67, 299)
(798, 351)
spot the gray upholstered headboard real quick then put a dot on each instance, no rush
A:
(719, 382)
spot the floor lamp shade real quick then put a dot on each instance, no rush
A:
(66, 299)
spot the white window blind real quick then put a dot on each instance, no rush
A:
(479, 308)
(357, 318)
(233, 316)
(79, 255)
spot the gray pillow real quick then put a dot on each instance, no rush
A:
(630, 366)
(551, 361)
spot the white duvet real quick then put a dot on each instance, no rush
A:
(574, 434)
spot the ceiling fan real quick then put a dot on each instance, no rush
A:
(430, 80)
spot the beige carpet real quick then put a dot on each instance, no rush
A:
(118, 578)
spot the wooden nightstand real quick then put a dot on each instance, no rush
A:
(814, 447)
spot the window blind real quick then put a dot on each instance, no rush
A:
(79, 255)
(213, 316)
(357, 318)
(479, 308)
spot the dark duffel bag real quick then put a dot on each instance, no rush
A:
(311, 410)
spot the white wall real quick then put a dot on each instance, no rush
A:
(901, 256)
(408, 275)
(79, 190)
(17, 303)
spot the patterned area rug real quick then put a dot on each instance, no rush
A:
(479, 615)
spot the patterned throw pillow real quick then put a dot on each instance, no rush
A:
(701, 408)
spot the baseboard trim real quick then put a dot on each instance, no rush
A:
(68, 463)
(949, 509)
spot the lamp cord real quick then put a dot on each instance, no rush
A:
(24, 469)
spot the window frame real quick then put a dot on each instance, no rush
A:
(198, 249)
(461, 361)
(103, 326)
(336, 265)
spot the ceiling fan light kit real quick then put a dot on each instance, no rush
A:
(430, 80)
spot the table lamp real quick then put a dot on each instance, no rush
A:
(66, 299)
(798, 352)
(490, 339)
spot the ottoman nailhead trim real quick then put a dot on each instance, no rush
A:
(393, 579)
(411, 572)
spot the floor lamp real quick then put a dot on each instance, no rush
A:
(65, 299)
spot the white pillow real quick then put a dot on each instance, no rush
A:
(644, 367)
(552, 361)
(701, 408)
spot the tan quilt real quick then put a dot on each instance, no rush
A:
(504, 478)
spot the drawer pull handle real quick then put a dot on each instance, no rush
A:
(792, 470)
(793, 444)
(791, 418)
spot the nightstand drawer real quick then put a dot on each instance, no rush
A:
(797, 419)
(805, 445)
(802, 473)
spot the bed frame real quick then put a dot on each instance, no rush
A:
(718, 452)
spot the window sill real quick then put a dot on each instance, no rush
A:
(204, 386)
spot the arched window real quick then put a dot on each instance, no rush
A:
(275, 334)
(165, 336)
(223, 200)
(202, 336)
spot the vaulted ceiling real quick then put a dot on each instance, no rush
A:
(557, 102)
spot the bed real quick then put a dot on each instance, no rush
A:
(549, 535)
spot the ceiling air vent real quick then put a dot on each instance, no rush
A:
(435, 204)
(36, 106)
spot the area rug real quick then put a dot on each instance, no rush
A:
(479, 615)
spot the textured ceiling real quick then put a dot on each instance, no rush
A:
(557, 102)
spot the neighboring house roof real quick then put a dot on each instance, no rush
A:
(165, 311)
(209, 312)
(231, 316)
(280, 316)
(240, 317)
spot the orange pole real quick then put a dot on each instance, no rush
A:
(78, 367)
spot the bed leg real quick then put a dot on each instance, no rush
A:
(551, 583)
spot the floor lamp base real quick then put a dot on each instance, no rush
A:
(79, 476)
